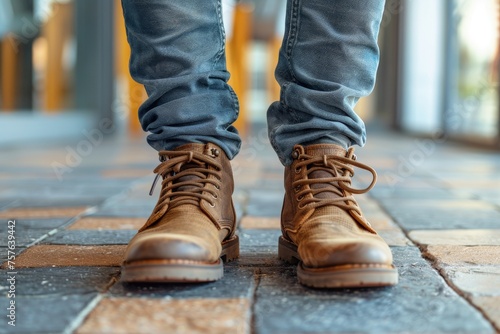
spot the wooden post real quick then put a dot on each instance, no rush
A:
(236, 52)
(57, 31)
(9, 74)
(133, 92)
(273, 88)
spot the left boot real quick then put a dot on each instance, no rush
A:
(323, 227)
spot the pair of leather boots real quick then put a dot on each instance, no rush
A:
(192, 228)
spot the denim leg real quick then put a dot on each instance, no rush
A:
(328, 60)
(178, 54)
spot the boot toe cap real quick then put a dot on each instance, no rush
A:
(169, 247)
(328, 253)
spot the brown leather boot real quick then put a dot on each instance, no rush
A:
(192, 226)
(323, 226)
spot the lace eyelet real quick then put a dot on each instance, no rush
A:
(215, 196)
(215, 152)
(295, 154)
(297, 189)
(301, 206)
(298, 170)
(212, 205)
(300, 198)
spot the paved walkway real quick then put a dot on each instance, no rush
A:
(75, 208)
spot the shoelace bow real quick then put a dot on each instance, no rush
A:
(195, 176)
(342, 169)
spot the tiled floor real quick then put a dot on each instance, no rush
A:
(76, 206)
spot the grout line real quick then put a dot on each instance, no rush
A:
(78, 320)
(253, 300)
(433, 261)
(434, 265)
(90, 210)
(385, 211)
(63, 226)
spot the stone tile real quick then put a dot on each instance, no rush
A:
(251, 240)
(475, 184)
(389, 193)
(237, 283)
(264, 203)
(57, 199)
(490, 306)
(443, 214)
(4, 252)
(5, 203)
(457, 237)
(448, 205)
(476, 280)
(62, 281)
(422, 303)
(65, 256)
(140, 211)
(126, 173)
(107, 223)
(260, 257)
(250, 222)
(139, 201)
(91, 237)
(259, 248)
(27, 213)
(259, 184)
(381, 221)
(449, 219)
(177, 316)
(29, 230)
(463, 255)
(46, 314)
(49, 202)
(471, 269)
(395, 238)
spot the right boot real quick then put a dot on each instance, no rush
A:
(192, 228)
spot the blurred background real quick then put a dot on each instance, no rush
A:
(64, 68)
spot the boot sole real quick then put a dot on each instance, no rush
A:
(181, 271)
(344, 276)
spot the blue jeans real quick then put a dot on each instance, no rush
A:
(328, 60)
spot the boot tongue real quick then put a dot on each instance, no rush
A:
(325, 149)
(195, 148)
(322, 174)
(189, 177)
(321, 150)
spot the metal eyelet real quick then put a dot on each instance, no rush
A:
(295, 154)
(215, 152)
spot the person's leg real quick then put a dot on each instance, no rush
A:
(178, 54)
(328, 60)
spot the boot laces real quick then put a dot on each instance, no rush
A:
(341, 170)
(185, 176)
